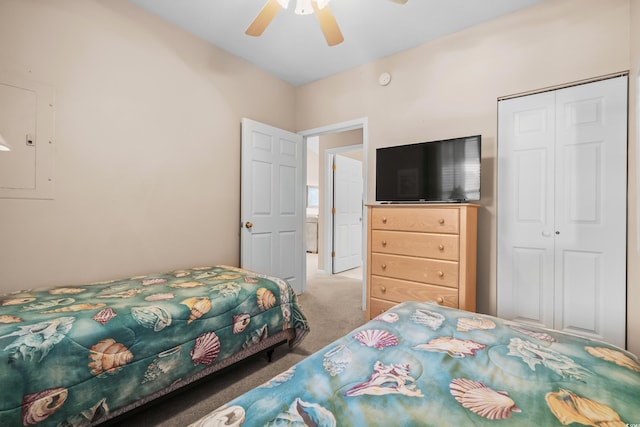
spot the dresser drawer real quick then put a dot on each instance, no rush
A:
(442, 273)
(399, 291)
(427, 245)
(377, 307)
(415, 219)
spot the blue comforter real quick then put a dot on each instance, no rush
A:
(420, 364)
(76, 355)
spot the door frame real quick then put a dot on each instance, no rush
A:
(359, 123)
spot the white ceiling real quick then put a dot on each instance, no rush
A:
(293, 47)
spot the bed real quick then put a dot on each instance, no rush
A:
(81, 355)
(421, 364)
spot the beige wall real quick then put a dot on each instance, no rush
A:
(147, 143)
(450, 87)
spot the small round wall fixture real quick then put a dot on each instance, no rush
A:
(384, 79)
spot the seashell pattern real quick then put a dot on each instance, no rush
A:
(482, 400)
(104, 315)
(232, 416)
(154, 317)
(88, 416)
(466, 324)
(336, 360)
(76, 307)
(388, 317)
(570, 408)
(8, 318)
(453, 346)
(206, 349)
(17, 301)
(615, 356)
(153, 282)
(280, 378)
(41, 305)
(181, 273)
(376, 338)
(266, 299)
(228, 289)
(240, 322)
(186, 285)
(36, 407)
(129, 293)
(65, 291)
(162, 364)
(198, 306)
(533, 354)
(542, 336)
(251, 280)
(39, 337)
(108, 357)
(160, 297)
(428, 318)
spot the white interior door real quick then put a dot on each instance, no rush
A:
(562, 209)
(526, 143)
(347, 220)
(591, 209)
(272, 201)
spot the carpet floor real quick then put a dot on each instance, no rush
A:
(333, 306)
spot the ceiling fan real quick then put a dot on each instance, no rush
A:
(327, 21)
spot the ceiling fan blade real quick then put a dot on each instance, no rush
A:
(264, 18)
(328, 25)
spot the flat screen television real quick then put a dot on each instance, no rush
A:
(437, 171)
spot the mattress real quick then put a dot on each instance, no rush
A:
(80, 355)
(421, 364)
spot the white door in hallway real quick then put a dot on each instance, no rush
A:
(562, 209)
(272, 201)
(347, 220)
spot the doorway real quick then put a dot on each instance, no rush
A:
(324, 183)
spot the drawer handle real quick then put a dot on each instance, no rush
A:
(384, 220)
(383, 289)
(439, 300)
(384, 243)
(441, 221)
(384, 266)
(441, 247)
(441, 273)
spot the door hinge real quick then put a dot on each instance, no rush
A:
(333, 167)
(333, 211)
(333, 254)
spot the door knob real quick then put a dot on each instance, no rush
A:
(249, 225)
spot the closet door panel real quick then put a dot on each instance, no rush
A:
(590, 209)
(525, 206)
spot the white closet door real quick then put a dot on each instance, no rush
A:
(526, 144)
(590, 209)
(562, 209)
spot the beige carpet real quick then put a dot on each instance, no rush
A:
(333, 305)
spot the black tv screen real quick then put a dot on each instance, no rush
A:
(436, 171)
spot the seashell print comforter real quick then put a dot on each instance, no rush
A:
(420, 364)
(75, 356)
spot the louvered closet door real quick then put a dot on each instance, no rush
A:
(562, 209)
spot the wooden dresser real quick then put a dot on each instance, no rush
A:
(424, 252)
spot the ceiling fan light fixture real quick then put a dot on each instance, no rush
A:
(303, 7)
